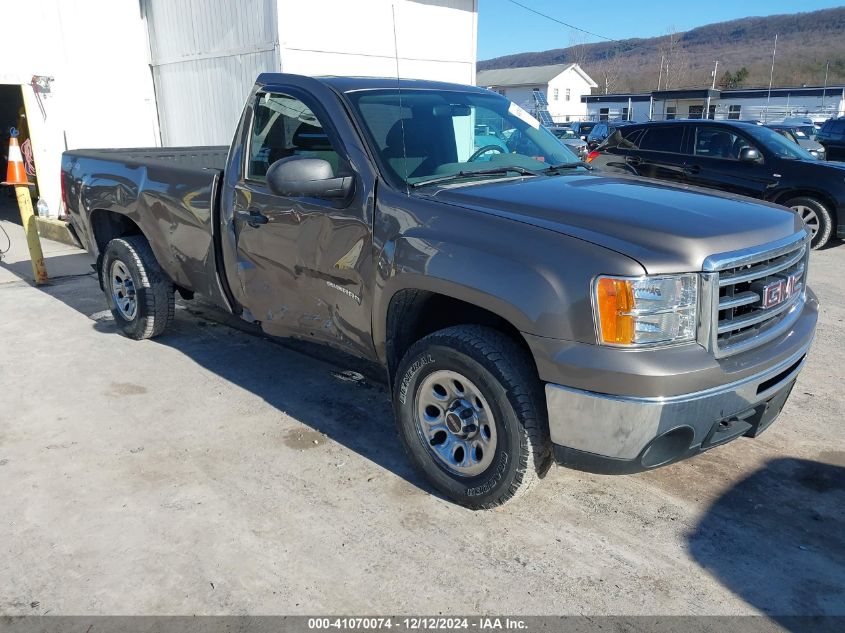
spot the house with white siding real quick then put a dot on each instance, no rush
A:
(562, 85)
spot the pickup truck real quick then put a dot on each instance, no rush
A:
(526, 308)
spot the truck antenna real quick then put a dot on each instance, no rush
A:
(399, 92)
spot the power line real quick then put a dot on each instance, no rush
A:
(570, 26)
(628, 45)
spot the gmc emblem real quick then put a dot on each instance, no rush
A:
(776, 292)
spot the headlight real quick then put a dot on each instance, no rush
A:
(643, 311)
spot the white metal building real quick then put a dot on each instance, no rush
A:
(92, 83)
(563, 85)
(123, 73)
(205, 54)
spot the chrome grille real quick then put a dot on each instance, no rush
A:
(757, 294)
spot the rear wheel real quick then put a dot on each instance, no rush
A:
(139, 295)
(816, 216)
(470, 412)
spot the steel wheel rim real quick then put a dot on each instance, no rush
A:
(810, 217)
(455, 423)
(123, 290)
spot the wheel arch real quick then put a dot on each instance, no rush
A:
(107, 225)
(804, 192)
(413, 313)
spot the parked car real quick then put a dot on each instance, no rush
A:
(808, 125)
(798, 136)
(524, 309)
(832, 137)
(582, 128)
(740, 158)
(571, 140)
(602, 130)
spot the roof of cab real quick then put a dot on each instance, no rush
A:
(351, 84)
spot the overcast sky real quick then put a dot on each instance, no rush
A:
(504, 28)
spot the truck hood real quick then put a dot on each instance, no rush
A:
(666, 228)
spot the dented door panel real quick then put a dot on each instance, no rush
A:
(302, 273)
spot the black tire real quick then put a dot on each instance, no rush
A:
(825, 220)
(506, 379)
(153, 292)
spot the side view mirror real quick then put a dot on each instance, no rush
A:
(583, 137)
(749, 155)
(304, 176)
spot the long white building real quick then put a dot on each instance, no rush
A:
(123, 73)
(816, 103)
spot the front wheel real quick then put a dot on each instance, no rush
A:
(816, 216)
(139, 295)
(470, 413)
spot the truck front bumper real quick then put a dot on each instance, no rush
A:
(605, 433)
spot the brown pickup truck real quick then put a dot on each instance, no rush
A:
(526, 308)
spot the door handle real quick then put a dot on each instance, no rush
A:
(692, 170)
(634, 160)
(253, 217)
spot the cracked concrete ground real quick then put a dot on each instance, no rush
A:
(211, 471)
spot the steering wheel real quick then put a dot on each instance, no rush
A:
(483, 151)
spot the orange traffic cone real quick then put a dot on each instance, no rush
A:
(15, 171)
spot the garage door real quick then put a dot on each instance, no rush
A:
(205, 56)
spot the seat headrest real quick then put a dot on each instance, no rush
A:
(311, 137)
(411, 136)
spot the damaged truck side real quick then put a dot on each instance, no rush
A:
(526, 308)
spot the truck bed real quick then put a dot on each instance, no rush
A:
(170, 193)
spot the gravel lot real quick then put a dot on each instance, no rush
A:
(214, 472)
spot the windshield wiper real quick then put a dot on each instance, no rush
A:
(555, 168)
(480, 172)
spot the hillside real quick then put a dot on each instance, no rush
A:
(806, 41)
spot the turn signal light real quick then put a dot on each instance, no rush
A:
(615, 299)
(592, 155)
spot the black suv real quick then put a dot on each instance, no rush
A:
(832, 136)
(602, 130)
(739, 158)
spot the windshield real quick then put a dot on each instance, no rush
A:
(778, 144)
(420, 135)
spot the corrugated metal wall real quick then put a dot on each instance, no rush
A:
(205, 56)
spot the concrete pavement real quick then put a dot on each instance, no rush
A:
(211, 471)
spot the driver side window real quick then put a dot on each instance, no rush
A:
(284, 126)
(715, 142)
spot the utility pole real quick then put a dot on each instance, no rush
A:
(771, 78)
(712, 87)
(660, 75)
(824, 90)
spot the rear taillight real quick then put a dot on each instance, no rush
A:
(64, 193)
(592, 155)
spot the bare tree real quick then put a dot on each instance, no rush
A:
(609, 72)
(676, 63)
(578, 48)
